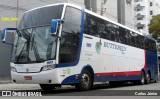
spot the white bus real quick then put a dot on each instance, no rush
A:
(64, 44)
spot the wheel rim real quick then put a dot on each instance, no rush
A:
(85, 80)
(142, 79)
(148, 78)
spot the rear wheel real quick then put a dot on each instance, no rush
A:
(47, 87)
(86, 82)
(142, 79)
(148, 78)
(155, 80)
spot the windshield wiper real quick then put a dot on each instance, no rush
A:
(21, 53)
(34, 47)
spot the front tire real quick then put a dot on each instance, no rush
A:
(47, 87)
(86, 81)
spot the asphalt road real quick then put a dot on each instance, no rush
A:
(98, 90)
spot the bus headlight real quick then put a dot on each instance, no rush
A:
(13, 69)
(48, 67)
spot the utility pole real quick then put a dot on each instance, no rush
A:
(121, 11)
(17, 13)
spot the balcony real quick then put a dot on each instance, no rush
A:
(139, 5)
(140, 23)
(140, 14)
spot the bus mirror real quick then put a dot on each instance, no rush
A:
(54, 25)
(4, 33)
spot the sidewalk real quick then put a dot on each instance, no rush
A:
(5, 80)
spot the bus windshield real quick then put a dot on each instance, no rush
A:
(34, 45)
(33, 42)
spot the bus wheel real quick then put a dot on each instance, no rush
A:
(148, 78)
(155, 80)
(86, 81)
(142, 80)
(47, 87)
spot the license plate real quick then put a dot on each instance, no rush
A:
(28, 77)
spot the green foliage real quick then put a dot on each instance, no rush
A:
(154, 26)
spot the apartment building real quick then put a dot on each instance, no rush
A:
(143, 12)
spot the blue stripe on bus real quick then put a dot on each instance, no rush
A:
(79, 48)
(72, 79)
(116, 78)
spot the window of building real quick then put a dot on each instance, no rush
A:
(139, 18)
(139, 28)
(151, 3)
(151, 12)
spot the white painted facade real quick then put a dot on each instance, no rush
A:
(143, 12)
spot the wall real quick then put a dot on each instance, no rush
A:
(5, 52)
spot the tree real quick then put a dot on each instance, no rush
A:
(154, 27)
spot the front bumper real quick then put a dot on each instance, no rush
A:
(44, 77)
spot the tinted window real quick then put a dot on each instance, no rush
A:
(70, 36)
(40, 17)
(150, 45)
(91, 25)
(101, 28)
(123, 35)
(128, 37)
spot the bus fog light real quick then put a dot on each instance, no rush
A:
(48, 67)
(13, 69)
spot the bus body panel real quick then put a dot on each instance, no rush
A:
(110, 64)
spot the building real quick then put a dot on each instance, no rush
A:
(143, 12)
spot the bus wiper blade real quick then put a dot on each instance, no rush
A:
(20, 54)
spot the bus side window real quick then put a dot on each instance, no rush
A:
(112, 31)
(133, 39)
(117, 33)
(108, 33)
(127, 37)
(70, 36)
(153, 46)
(141, 42)
(91, 26)
(146, 44)
(122, 36)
